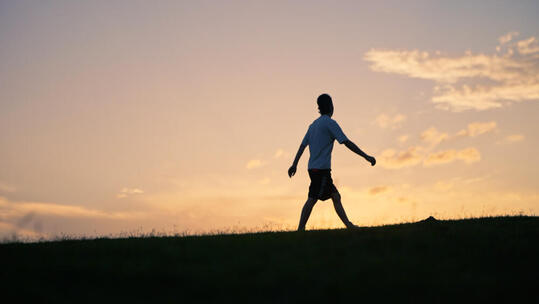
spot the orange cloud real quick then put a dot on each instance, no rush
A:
(391, 159)
(512, 139)
(515, 138)
(125, 192)
(433, 136)
(440, 157)
(378, 190)
(507, 37)
(254, 163)
(469, 155)
(483, 97)
(278, 153)
(477, 128)
(403, 138)
(388, 121)
(528, 46)
(10, 209)
(513, 74)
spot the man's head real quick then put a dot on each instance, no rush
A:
(325, 105)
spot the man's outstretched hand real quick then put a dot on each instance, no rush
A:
(350, 145)
(292, 171)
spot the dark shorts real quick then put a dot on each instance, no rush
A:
(322, 186)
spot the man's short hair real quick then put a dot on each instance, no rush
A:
(325, 104)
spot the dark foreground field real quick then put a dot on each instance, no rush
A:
(486, 259)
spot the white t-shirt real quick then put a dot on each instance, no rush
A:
(320, 137)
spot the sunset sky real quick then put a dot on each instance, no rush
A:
(184, 116)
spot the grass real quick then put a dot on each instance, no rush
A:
(482, 259)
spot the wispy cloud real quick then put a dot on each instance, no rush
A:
(390, 121)
(528, 46)
(510, 77)
(403, 138)
(280, 153)
(512, 139)
(378, 189)
(507, 37)
(469, 155)
(433, 137)
(125, 192)
(19, 209)
(478, 128)
(391, 159)
(32, 218)
(254, 163)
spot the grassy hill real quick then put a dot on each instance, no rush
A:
(484, 259)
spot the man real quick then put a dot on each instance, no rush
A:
(320, 137)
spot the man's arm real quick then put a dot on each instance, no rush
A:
(350, 145)
(292, 169)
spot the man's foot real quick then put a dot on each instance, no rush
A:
(352, 226)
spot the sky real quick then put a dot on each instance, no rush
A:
(127, 117)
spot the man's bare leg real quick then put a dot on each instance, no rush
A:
(336, 198)
(306, 212)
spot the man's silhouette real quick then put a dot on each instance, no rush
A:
(320, 137)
